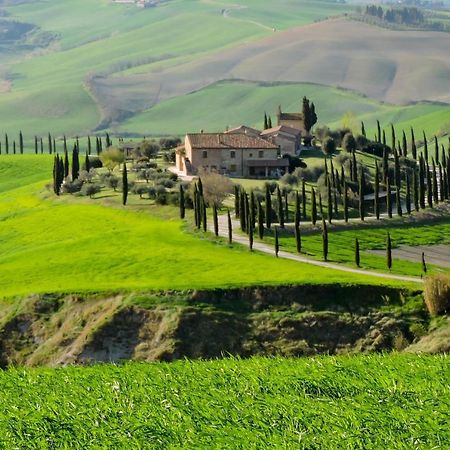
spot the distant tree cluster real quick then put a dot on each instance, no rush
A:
(405, 15)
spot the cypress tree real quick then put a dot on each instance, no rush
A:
(237, 203)
(54, 145)
(298, 240)
(87, 163)
(250, 233)
(248, 214)
(436, 150)
(88, 143)
(429, 187)
(413, 145)
(404, 145)
(55, 175)
(446, 187)
(66, 164)
(345, 202)
(384, 138)
(108, 141)
(6, 144)
(124, 183)
(408, 195)
(397, 174)
(304, 200)
(388, 198)
(324, 240)
(204, 218)
(335, 201)
(435, 184)
(441, 184)
(215, 220)
(230, 228)
(65, 143)
(75, 164)
(321, 207)
(260, 221)
(266, 124)
(425, 147)
(97, 145)
(182, 203)
(415, 190)
(0, 147)
(252, 209)
(376, 205)
(378, 132)
(329, 203)
(50, 144)
(389, 252)
(385, 165)
(21, 142)
(361, 194)
(197, 207)
(355, 167)
(242, 217)
(363, 129)
(357, 255)
(277, 243)
(424, 264)
(393, 138)
(280, 208)
(268, 205)
(36, 151)
(313, 207)
(14, 147)
(42, 146)
(421, 182)
(286, 205)
(200, 186)
(398, 202)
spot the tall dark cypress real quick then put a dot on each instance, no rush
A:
(404, 145)
(398, 202)
(248, 214)
(252, 209)
(54, 145)
(324, 240)
(266, 123)
(21, 142)
(280, 211)
(50, 144)
(215, 220)
(376, 205)
(425, 147)
(242, 217)
(286, 205)
(304, 200)
(75, 164)
(436, 150)
(14, 147)
(6, 143)
(363, 129)
(345, 202)
(277, 242)
(385, 165)
(87, 163)
(89, 145)
(378, 132)
(393, 138)
(415, 190)
(435, 183)
(313, 207)
(424, 264)
(268, 205)
(250, 232)
(260, 221)
(329, 202)
(397, 173)
(413, 145)
(384, 138)
(408, 195)
(204, 214)
(298, 239)
(42, 146)
(65, 143)
(361, 192)
(230, 228)
(429, 187)
(124, 183)
(321, 207)
(389, 252)
(357, 253)
(442, 186)
(36, 147)
(237, 202)
(355, 168)
(182, 203)
(66, 164)
(388, 198)
(422, 188)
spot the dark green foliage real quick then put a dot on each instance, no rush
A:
(385, 165)
(309, 114)
(425, 147)
(413, 145)
(357, 253)
(376, 205)
(237, 203)
(393, 138)
(415, 191)
(404, 145)
(6, 144)
(424, 264)
(248, 218)
(421, 182)
(304, 200)
(204, 215)
(50, 144)
(66, 164)
(182, 203)
(329, 202)
(250, 233)
(268, 205)
(435, 183)
(408, 195)
(242, 211)
(436, 150)
(398, 202)
(324, 240)
(363, 129)
(87, 164)
(58, 175)
(298, 239)
(42, 146)
(378, 132)
(269, 122)
(266, 123)
(345, 202)
(88, 143)
(280, 211)
(429, 186)
(215, 220)
(75, 164)
(361, 191)
(260, 221)
(36, 151)
(313, 207)
(389, 252)
(328, 146)
(230, 228)
(354, 168)
(124, 184)
(397, 173)
(389, 198)
(21, 142)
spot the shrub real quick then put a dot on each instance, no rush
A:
(95, 162)
(90, 189)
(70, 187)
(110, 180)
(328, 146)
(437, 294)
(349, 143)
(140, 189)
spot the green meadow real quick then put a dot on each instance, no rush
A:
(380, 401)
(68, 244)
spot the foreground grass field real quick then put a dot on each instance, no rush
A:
(50, 244)
(371, 402)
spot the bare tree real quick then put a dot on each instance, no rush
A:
(216, 188)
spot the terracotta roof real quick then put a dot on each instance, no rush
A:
(228, 140)
(283, 129)
(281, 162)
(290, 116)
(244, 129)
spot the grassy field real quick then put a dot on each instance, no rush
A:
(70, 245)
(395, 401)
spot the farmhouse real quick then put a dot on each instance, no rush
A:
(291, 120)
(236, 154)
(287, 138)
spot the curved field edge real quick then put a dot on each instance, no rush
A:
(377, 401)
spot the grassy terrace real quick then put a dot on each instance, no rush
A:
(392, 401)
(70, 245)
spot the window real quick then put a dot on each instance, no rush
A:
(205, 154)
(233, 168)
(232, 154)
(261, 153)
(250, 155)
